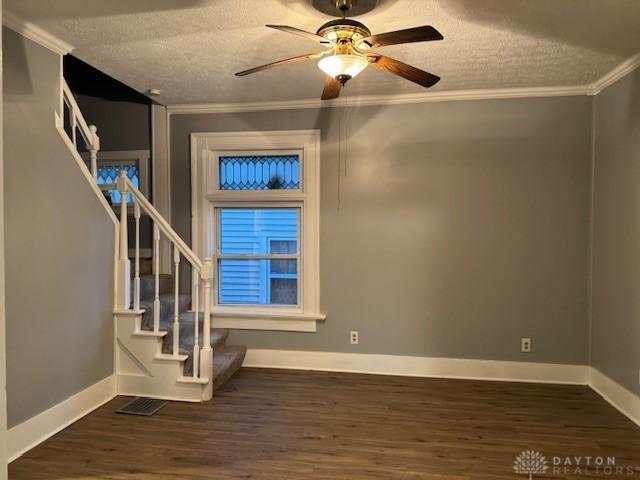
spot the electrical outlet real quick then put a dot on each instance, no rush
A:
(525, 345)
(354, 337)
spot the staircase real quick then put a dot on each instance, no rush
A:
(165, 344)
(146, 363)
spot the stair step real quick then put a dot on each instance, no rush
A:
(218, 338)
(226, 362)
(167, 310)
(186, 379)
(148, 285)
(150, 333)
(171, 357)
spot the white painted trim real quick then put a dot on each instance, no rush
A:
(203, 183)
(270, 324)
(371, 100)
(27, 435)
(35, 33)
(446, 96)
(83, 168)
(3, 356)
(625, 401)
(419, 366)
(616, 74)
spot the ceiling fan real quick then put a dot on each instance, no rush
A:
(348, 52)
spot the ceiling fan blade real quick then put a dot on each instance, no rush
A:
(403, 70)
(302, 33)
(331, 88)
(410, 35)
(300, 58)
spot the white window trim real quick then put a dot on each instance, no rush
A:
(204, 146)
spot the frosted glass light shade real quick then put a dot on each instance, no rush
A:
(347, 65)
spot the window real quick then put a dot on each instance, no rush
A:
(255, 212)
(111, 163)
(254, 267)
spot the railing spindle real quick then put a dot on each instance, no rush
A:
(196, 307)
(74, 127)
(206, 359)
(176, 306)
(136, 278)
(124, 269)
(156, 272)
(93, 151)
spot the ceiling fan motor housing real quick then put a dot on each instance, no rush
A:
(345, 33)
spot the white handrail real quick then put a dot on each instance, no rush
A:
(88, 132)
(159, 220)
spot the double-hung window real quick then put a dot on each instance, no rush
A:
(256, 214)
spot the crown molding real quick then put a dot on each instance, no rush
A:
(35, 33)
(376, 100)
(594, 88)
(616, 74)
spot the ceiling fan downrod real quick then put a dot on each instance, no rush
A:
(344, 6)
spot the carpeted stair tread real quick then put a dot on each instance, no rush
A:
(148, 285)
(227, 361)
(187, 334)
(167, 301)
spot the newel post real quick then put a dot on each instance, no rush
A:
(94, 148)
(124, 265)
(206, 358)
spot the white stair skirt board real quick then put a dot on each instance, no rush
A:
(28, 434)
(622, 399)
(419, 366)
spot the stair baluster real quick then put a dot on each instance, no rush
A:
(136, 278)
(196, 311)
(176, 306)
(206, 358)
(124, 263)
(156, 272)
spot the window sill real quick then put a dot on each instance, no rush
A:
(272, 319)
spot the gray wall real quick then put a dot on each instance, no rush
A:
(59, 246)
(121, 125)
(463, 226)
(616, 279)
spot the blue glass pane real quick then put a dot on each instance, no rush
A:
(263, 172)
(108, 175)
(248, 282)
(259, 231)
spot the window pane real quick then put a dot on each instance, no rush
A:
(283, 267)
(259, 231)
(260, 172)
(284, 291)
(253, 282)
(109, 173)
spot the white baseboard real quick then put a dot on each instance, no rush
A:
(622, 399)
(25, 436)
(419, 366)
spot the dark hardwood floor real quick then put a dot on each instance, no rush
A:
(278, 424)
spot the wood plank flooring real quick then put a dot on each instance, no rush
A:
(278, 424)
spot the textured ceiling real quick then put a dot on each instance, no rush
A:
(190, 48)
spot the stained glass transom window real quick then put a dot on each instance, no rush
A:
(260, 172)
(108, 175)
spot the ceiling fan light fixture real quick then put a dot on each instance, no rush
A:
(343, 67)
